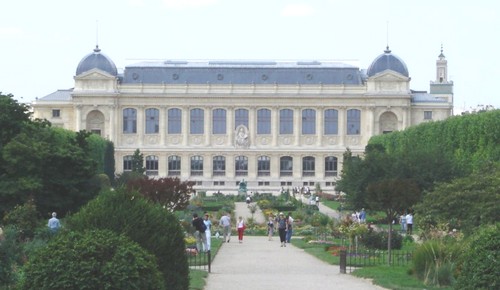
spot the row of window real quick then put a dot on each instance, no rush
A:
(240, 165)
(219, 120)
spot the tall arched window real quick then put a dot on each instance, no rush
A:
(129, 121)
(241, 166)
(241, 118)
(331, 124)
(151, 165)
(219, 121)
(152, 121)
(197, 121)
(197, 166)
(308, 166)
(308, 121)
(331, 166)
(219, 166)
(286, 121)
(353, 122)
(286, 166)
(174, 165)
(264, 166)
(174, 121)
(264, 121)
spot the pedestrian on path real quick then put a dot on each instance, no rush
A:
(199, 234)
(289, 224)
(409, 223)
(208, 231)
(225, 223)
(282, 226)
(241, 229)
(270, 227)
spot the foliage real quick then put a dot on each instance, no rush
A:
(378, 240)
(464, 203)
(468, 141)
(13, 116)
(50, 165)
(169, 192)
(151, 226)
(24, 219)
(95, 259)
(10, 255)
(138, 162)
(434, 262)
(102, 151)
(481, 260)
(109, 161)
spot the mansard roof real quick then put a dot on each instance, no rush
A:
(242, 72)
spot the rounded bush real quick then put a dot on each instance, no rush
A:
(482, 261)
(148, 224)
(91, 260)
(378, 240)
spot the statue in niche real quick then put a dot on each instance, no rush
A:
(241, 137)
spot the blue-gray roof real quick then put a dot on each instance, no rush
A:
(59, 95)
(387, 61)
(96, 60)
(242, 72)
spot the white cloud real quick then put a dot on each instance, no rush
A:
(136, 3)
(182, 4)
(294, 10)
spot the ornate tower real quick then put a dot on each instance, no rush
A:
(442, 88)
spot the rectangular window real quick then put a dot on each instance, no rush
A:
(427, 115)
(241, 118)
(174, 121)
(197, 121)
(56, 113)
(152, 121)
(331, 123)
(308, 121)
(264, 121)
(286, 121)
(196, 166)
(353, 122)
(174, 165)
(129, 120)
(219, 121)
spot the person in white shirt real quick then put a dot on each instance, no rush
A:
(241, 229)
(54, 223)
(409, 223)
(225, 223)
(208, 223)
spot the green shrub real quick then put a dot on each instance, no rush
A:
(91, 260)
(154, 228)
(481, 261)
(10, 255)
(24, 218)
(434, 262)
(378, 240)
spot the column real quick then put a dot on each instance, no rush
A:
(140, 125)
(319, 126)
(207, 128)
(112, 124)
(275, 128)
(185, 125)
(252, 125)
(297, 129)
(342, 125)
(163, 124)
(230, 126)
(78, 119)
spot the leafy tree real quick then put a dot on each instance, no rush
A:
(50, 165)
(464, 203)
(97, 259)
(13, 116)
(169, 192)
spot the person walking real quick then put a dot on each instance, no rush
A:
(225, 223)
(289, 223)
(208, 231)
(362, 216)
(241, 229)
(199, 234)
(409, 223)
(270, 227)
(54, 224)
(282, 226)
(402, 221)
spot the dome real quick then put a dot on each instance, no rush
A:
(96, 60)
(386, 61)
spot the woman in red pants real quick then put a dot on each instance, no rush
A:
(241, 229)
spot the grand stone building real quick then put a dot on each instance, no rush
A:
(273, 124)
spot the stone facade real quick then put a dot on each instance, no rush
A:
(273, 124)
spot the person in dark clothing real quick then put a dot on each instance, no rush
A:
(199, 234)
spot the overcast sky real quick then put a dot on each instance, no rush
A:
(42, 42)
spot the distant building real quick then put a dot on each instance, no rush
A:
(274, 124)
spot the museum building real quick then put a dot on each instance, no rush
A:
(274, 124)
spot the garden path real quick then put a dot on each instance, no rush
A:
(258, 263)
(242, 209)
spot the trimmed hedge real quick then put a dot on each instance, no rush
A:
(151, 226)
(91, 260)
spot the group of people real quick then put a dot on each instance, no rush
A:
(284, 225)
(203, 230)
(406, 222)
(359, 216)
